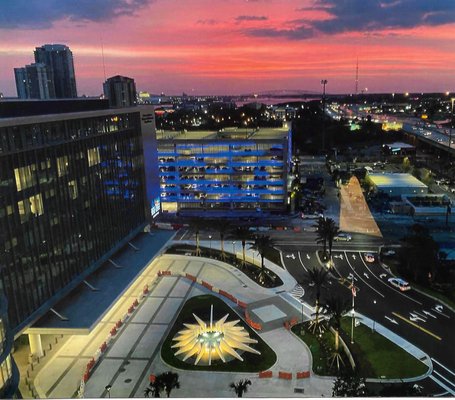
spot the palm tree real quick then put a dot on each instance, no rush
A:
(169, 380)
(335, 308)
(154, 388)
(321, 234)
(326, 230)
(316, 277)
(262, 243)
(197, 225)
(240, 387)
(331, 231)
(243, 234)
(223, 227)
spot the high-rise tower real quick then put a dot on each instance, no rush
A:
(58, 58)
(34, 81)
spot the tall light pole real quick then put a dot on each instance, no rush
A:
(323, 83)
(452, 100)
(374, 319)
(108, 389)
(210, 238)
(353, 292)
(233, 250)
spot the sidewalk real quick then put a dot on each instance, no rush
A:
(134, 352)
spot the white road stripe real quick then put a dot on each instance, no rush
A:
(301, 262)
(442, 385)
(447, 369)
(363, 280)
(441, 313)
(443, 377)
(385, 284)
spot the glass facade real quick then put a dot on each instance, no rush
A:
(223, 174)
(9, 375)
(72, 187)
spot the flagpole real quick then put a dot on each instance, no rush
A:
(352, 318)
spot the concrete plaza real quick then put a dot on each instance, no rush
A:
(134, 352)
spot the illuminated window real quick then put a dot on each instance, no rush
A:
(93, 156)
(72, 185)
(36, 204)
(24, 177)
(62, 165)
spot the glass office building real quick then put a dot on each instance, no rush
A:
(205, 171)
(72, 192)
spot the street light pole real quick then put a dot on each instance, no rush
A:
(323, 83)
(452, 100)
(108, 389)
(374, 319)
(353, 292)
(210, 238)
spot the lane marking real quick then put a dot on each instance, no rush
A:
(363, 280)
(443, 377)
(420, 315)
(416, 326)
(301, 262)
(443, 366)
(441, 313)
(387, 285)
(442, 385)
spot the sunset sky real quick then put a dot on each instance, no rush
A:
(239, 46)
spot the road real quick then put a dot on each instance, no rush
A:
(413, 316)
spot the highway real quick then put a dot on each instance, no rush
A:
(415, 317)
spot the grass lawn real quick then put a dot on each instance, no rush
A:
(321, 349)
(376, 356)
(200, 306)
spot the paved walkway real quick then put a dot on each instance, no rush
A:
(134, 353)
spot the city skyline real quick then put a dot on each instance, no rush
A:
(239, 46)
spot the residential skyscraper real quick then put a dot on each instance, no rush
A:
(121, 91)
(58, 58)
(34, 81)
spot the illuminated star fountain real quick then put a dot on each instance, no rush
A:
(213, 342)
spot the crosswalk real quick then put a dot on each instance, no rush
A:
(443, 376)
(297, 292)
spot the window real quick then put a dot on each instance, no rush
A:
(72, 185)
(36, 204)
(24, 177)
(62, 165)
(93, 156)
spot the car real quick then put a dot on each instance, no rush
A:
(388, 253)
(399, 284)
(343, 237)
(368, 257)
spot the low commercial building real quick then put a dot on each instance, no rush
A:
(396, 184)
(233, 170)
(399, 148)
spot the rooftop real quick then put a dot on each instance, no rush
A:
(227, 133)
(400, 145)
(395, 180)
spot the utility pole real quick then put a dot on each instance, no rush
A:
(323, 83)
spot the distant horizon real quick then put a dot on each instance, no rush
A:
(208, 47)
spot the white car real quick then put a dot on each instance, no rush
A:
(368, 257)
(399, 284)
(343, 237)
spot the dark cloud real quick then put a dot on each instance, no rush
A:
(242, 18)
(367, 16)
(207, 22)
(38, 14)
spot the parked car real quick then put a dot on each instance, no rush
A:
(388, 253)
(368, 257)
(399, 284)
(343, 237)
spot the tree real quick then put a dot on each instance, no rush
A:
(197, 225)
(326, 230)
(261, 244)
(154, 388)
(243, 234)
(170, 381)
(335, 307)
(347, 385)
(223, 228)
(240, 387)
(316, 277)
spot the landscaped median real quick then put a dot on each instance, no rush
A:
(375, 356)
